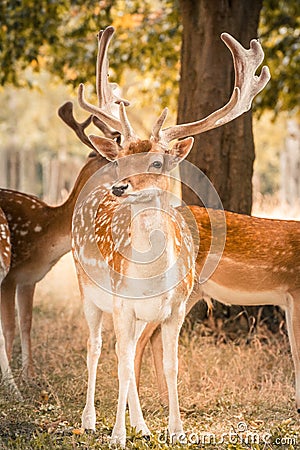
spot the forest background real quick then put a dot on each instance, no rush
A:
(48, 48)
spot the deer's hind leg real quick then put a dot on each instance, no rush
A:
(293, 326)
(8, 292)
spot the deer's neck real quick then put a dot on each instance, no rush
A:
(64, 212)
(153, 238)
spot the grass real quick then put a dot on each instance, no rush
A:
(234, 395)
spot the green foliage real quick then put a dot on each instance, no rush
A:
(149, 40)
(57, 35)
(280, 36)
(269, 138)
(60, 36)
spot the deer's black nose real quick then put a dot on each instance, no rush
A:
(119, 190)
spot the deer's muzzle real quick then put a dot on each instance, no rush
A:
(119, 190)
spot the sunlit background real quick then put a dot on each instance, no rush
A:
(41, 155)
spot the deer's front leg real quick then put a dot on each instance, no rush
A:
(5, 368)
(170, 333)
(126, 333)
(94, 318)
(135, 411)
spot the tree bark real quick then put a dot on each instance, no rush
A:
(226, 154)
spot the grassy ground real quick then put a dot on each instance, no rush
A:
(233, 395)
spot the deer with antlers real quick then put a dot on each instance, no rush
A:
(41, 234)
(133, 250)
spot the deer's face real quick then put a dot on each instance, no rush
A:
(142, 166)
(139, 174)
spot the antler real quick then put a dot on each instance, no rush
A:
(108, 120)
(65, 112)
(247, 86)
(106, 92)
(107, 99)
(107, 131)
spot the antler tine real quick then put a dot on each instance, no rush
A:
(106, 92)
(156, 130)
(65, 112)
(98, 112)
(247, 86)
(127, 129)
(246, 63)
(107, 131)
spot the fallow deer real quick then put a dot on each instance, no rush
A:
(41, 234)
(5, 256)
(120, 266)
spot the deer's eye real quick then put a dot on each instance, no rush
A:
(118, 139)
(157, 164)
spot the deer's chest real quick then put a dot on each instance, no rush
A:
(157, 309)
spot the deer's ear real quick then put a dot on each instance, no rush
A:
(179, 151)
(106, 147)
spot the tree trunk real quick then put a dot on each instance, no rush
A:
(225, 155)
(290, 167)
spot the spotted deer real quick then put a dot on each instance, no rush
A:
(41, 234)
(133, 250)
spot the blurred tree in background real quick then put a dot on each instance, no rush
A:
(225, 154)
(54, 35)
(280, 35)
(59, 36)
